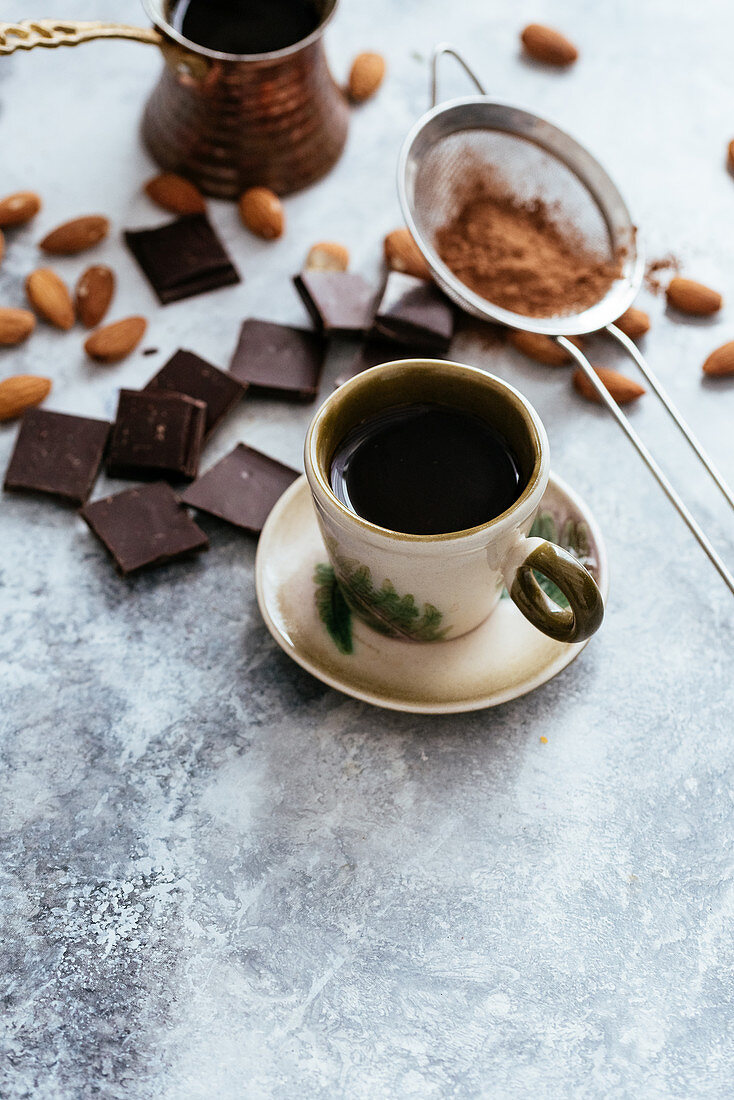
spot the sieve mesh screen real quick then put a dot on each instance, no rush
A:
(517, 167)
(525, 163)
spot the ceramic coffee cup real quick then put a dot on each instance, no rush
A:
(434, 587)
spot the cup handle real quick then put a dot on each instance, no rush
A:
(585, 612)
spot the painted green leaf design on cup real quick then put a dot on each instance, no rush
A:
(383, 608)
(333, 609)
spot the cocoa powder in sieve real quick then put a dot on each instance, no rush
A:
(520, 256)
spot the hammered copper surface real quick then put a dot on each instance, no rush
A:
(278, 123)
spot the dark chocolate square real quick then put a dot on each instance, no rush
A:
(191, 375)
(414, 311)
(279, 359)
(242, 488)
(337, 301)
(144, 526)
(182, 258)
(374, 352)
(156, 433)
(58, 454)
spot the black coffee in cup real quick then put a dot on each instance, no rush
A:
(425, 469)
(245, 26)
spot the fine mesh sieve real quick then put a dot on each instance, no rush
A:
(528, 158)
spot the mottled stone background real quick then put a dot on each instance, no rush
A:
(221, 878)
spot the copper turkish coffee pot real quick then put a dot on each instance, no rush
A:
(225, 121)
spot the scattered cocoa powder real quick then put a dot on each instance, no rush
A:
(657, 272)
(520, 255)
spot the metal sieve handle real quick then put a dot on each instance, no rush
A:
(652, 379)
(447, 48)
(674, 498)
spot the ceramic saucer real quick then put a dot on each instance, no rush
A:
(503, 658)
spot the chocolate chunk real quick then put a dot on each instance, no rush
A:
(242, 488)
(374, 352)
(144, 526)
(58, 454)
(415, 312)
(182, 258)
(279, 359)
(338, 301)
(191, 375)
(156, 433)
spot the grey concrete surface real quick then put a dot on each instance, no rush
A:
(220, 878)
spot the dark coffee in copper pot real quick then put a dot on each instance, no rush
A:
(245, 26)
(425, 469)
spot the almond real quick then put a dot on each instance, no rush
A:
(21, 392)
(93, 295)
(49, 295)
(366, 76)
(19, 208)
(721, 361)
(115, 341)
(543, 349)
(633, 323)
(176, 194)
(327, 256)
(403, 254)
(691, 297)
(548, 45)
(730, 156)
(76, 235)
(622, 388)
(16, 325)
(261, 212)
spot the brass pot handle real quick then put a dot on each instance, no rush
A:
(54, 32)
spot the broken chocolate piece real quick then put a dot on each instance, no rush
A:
(413, 311)
(156, 433)
(182, 258)
(374, 352)
(191, 375)
(337, 301)
(58, 454)
(242, 488)
(144, 526)
(279, 359)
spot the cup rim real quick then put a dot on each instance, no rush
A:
(152, 10)
(318, 479)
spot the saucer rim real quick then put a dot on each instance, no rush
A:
(386, 702)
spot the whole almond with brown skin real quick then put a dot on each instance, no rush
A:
(327, 256)
(721, 361)
(366, 76)
(691, 297)
(261, 212)
(16, 325)
(403, 254)
(543, 349)
(622, 388)
(730, 156)
(22, 392)
(176, 194)
(548, 45)
(49, 295)
(633, 323)
(115, 341)
(76, 235)
(19, 208)
(93, 295)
